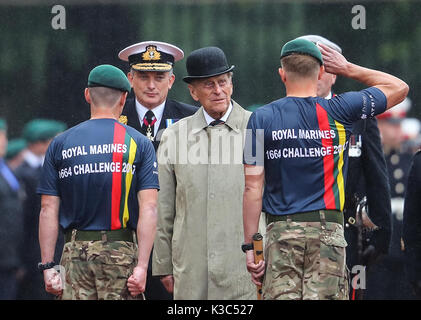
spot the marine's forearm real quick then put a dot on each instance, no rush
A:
(48, 227)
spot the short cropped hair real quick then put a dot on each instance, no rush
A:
(300, 65)
(104, 96)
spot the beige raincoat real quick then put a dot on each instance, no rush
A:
(200, 225)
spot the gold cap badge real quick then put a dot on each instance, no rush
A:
(151, 54)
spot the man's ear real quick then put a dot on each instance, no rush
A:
(87, 96)
(171, 81)
(321, 72)
(333, 79)
(282, 75)
(123, 98)
(130, 77)
(192, 90)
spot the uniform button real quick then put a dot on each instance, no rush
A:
(212, 255)
(399, 187)
(394, 159)
(212, 196)
(398, 174)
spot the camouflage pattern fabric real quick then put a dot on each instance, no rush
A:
(305, 260)
(98, 270)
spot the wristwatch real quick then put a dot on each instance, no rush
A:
(246, 247)
(45, 266)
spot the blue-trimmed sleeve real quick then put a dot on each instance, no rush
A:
(352, 106)
(49, 181)
(147, 170)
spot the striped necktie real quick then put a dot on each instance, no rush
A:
(216, 122)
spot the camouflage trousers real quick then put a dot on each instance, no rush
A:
(98, 270)
(305, 260)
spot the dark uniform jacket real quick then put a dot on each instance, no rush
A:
(173, 110)
(411, 232)
(11, 231)
(367, 176)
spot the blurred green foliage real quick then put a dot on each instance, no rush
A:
(43, 71)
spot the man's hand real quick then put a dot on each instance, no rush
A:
(137, 281)
(333, 61)
(168, 282)
(257, 270)
(53, 282)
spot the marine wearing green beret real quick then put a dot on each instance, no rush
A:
(11, 231)
(98, 216)
(38, 133)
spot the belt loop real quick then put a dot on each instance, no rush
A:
(289, 220)
(73, 238)
(134, 237)
(104, 236)
(322, 219)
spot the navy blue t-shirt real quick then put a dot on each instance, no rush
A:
(303, 145)
(97, 168)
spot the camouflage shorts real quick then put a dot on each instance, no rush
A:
(98, 270)
(305, 260)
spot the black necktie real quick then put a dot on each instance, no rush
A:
(216, 122)
(148, 125)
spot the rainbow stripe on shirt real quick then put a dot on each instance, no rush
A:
(333, 164)
(122, 179)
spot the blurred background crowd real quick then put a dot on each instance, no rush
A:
(43, 73)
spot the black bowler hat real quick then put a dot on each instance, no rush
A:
(205, 63)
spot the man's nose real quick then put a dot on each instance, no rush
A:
(217, 89)
(151, 84)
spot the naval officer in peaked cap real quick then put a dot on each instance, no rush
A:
(151, 76)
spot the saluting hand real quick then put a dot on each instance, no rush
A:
(333, 61)
(257, 270)
(137, 281)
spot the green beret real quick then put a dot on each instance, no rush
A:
(42, 129)
(108, 76)
(301, 46)
(3, 124)
(14, 147)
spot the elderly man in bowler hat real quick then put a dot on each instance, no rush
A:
(199, 233)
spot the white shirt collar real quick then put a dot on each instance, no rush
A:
(329, 96)
(33, 160)
(157, 111)
(209, 119)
